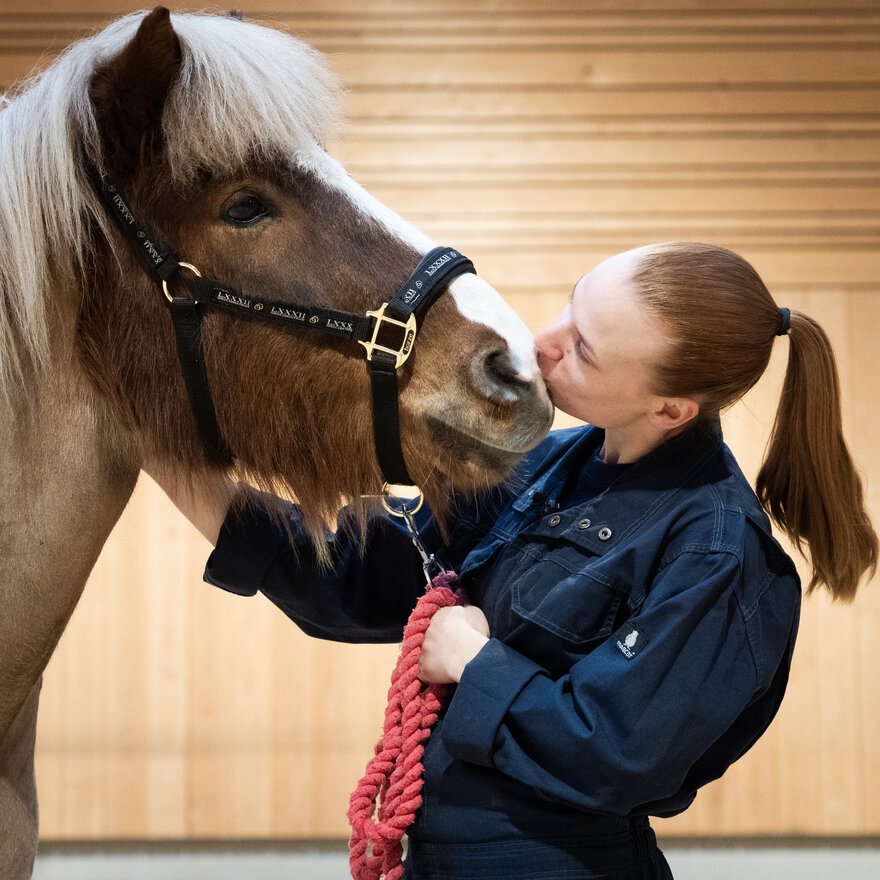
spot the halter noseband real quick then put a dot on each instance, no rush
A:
(387, 334)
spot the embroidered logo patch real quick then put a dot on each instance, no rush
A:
(630, 641)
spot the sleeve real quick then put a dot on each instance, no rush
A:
(627, 723)
(367, 591)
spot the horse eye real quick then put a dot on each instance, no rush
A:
(246, 210)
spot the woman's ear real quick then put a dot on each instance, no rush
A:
(129, 92)
(673, 412)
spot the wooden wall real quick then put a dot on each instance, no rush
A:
(540, 136)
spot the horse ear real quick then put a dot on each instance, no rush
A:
(129, 92)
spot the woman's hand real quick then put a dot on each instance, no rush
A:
(454, 637)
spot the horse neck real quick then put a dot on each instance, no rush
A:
(66, 475)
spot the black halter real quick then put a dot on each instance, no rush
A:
(387, 334)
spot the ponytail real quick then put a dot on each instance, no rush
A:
(808, 482)
(722, 324)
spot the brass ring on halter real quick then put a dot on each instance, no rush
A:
(180, 266)
(403, 510)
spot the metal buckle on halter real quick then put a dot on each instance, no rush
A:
(180, 266)
(402, 352)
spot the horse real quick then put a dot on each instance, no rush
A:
(215, 129)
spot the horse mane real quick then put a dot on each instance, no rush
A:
(244, 92)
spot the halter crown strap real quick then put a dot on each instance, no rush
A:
(162, 262)
(157, 258)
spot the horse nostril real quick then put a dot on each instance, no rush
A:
(496, 376)
(500, 366)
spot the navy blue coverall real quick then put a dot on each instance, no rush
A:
(643, 620)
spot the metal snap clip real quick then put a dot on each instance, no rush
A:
(584, 523)
(604, 533)
(554, 520)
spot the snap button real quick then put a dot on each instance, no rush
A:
(584, 523)
(604, 533)
(554, 520)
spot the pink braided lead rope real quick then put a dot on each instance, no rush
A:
(394, 774)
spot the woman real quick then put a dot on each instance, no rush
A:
(633, 619)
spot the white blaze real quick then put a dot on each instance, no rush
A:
(475, 299)
(480, 302)
(330, 170)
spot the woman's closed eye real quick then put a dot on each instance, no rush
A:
(581, 349)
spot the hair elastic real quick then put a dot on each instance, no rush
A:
(784, 322)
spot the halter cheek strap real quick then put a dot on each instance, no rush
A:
(191, 354)
(387, 334)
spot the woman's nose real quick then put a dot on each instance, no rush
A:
(547, 345)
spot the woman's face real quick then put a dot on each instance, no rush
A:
(597, 358)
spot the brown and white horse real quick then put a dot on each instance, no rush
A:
(215, 129)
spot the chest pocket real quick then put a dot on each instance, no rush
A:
(561, 587)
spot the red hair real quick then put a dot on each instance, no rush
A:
(722, 323)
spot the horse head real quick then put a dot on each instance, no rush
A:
(215, 129)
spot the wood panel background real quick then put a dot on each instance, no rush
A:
(540, 136)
